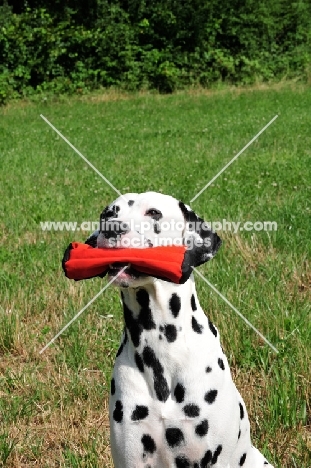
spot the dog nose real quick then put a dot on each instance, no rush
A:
(114, 228)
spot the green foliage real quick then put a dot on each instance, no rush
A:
(8, 331)
(6, 447)
(73, 48)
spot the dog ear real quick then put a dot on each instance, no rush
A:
(201, 241)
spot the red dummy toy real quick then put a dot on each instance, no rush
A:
(171, 263)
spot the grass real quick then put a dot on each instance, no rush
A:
(53, 407)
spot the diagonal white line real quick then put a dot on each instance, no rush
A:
(234, 158)
(236, 310)
(83, 157)
(82, 310)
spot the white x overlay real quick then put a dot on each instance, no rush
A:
(235, 310)
(235, 157)
(81, 155)
(196, 196)
(82, 310)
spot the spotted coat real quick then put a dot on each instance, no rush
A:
(173, 403)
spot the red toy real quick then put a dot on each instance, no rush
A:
(171, 263)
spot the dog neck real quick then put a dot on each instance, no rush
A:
(161, 308)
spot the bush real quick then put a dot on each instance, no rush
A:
(75, 47)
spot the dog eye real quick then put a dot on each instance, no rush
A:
(154, 213)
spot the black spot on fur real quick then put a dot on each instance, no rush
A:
(212, 328)
(191, 410)
(182, 462)
(239, 434)
(130, 202)
(174, 436)
(109, 212)
(241, 411)
(112, 386)
(196, 326)
(139, 362)
(140, 412)
(210, 396)
(242, 459)
(174, 304)
(216, 454)
(148, 443)
(206, 459)
(145, 315)
(179, 393)
(142, 298)
(202, 428)
(160, 383)
(132, 325)
(170, 333)
(144, 320)
(210, 458)
(221, 364)
(208, 369)
(193, 303)
(156, 228)
(118, 412)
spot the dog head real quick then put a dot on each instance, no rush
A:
(149, 220)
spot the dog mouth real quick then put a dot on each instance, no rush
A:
(129, 273)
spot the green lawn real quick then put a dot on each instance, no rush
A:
(53, 407)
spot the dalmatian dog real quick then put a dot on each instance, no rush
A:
(173, 403)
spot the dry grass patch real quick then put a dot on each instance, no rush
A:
(55, 413)
(282, 442)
